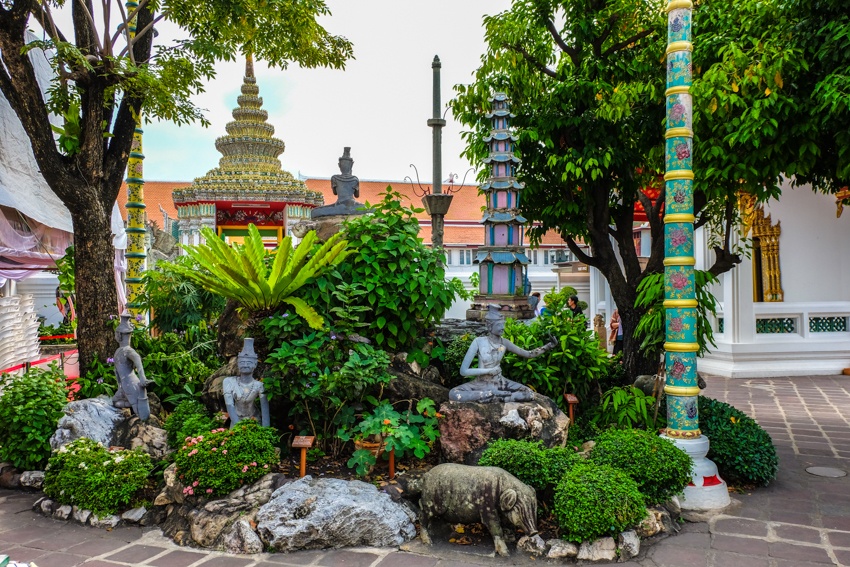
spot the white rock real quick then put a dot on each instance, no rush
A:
(533, 545)
(81, 516)
(32, 479)
(63, 512)
(629, 545)
(560, 549)
(603, 549)
(104, 522)
(135, 515)
(94, 418)
(242, 539)
(512, 419)
(44, 505)
(650, 525)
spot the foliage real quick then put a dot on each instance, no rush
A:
(114, 78)
(741, 449)
(100, 380)
(627, 407)
(454, 357)
(651, 329)
(57, 330)
(322, 375)
(242, 274)
(556, 301)
(409, 431)
(592, 501)
(401, 281)
(529, 461)
(87, 475)
(176, 302)
(475, 280)
(222, 460)
(188, 419)
(571, 367)
(65, 267)
(30, 408)
(660, 469)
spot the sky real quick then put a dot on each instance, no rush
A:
(378, 105)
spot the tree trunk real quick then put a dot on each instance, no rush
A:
(97, 300)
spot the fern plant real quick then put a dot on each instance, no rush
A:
(241, 272)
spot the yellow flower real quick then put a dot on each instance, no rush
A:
(733, 420)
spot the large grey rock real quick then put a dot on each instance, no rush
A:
(629, 545)
(242, 539)
(63, 512)
(32, 479)
(320, 513)
(81, 515)
(560, 549)
(135, 515)
(468, 428)
(94, 418)
(44, 505)
(106, 522)
(603, 549)
(657, 520)
(134, 433)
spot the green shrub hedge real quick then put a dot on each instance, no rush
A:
(188, 419)
(530, 462)
(660, 469)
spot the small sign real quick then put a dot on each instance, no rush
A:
(571, 399)
(303, 441)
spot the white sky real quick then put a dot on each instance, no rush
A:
(378, 105)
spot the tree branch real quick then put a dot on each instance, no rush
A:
(627, 42)
(580, 254)
(570, 51)
(534, 62)
(42, 14)
(93, 35)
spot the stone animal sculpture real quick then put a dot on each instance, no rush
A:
(465, 494)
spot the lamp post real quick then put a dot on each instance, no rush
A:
(437, 203)
(707, 490)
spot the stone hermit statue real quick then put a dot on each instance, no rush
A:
(132, 383)
(241, 392)
(346, 187)
(489, 385)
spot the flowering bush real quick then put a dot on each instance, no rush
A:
(222, 460)
(86, 474)
(188, 419)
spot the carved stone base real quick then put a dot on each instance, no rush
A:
(468, 428)
(513, 307)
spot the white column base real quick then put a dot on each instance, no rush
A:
(707, 490)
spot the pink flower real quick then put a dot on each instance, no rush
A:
(254, 464)
(224, 452)
(191, 491)
(187, 439)
(682, 151)
(676, 324)
(209, 490)
(265, 466)
(214, 449)
(245, 468)
(195, 483)
(679, 280)
(678, 237)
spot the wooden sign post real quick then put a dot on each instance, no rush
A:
(303, 442)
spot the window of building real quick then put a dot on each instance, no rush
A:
(448, 257)
(469, 257)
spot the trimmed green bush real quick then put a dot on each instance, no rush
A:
(741, 449)
(188, 419)
(30, 408)
(531, 462)
(222, 460)
(85, 474)
(561, 461)
(660, 469)
(592, 501)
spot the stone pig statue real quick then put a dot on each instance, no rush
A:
(464, 494)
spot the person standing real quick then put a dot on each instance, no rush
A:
(574, 306)
(616, 336)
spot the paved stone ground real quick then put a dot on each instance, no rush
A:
(800, 520)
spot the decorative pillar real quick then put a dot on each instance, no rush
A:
(502, 261)
(136, 230)
(707, 490)
(436, 203)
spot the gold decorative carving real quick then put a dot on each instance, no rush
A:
(766, 243)
(840, 197)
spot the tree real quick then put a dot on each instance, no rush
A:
(105, 79)
(586, 79)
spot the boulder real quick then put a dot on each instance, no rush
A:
(94, 418)
(106, 522)
(328, 512)
(468, 428)
(629, 545)
(603, 549)
(242, 539)
(408, 386)
(63, 512)
(10, 477)
(135, 515)
(560, 549)
(32, 479)
(81, 515)
(657, 520)
(134, 433)
(45, 506)
(172, 492)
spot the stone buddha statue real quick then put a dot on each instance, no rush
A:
(489, 384)
(346, 187)
(242, 392)
(129, 372)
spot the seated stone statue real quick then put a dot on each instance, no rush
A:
(129, 373)
(241, 392)
(489, 384)
(346, 187)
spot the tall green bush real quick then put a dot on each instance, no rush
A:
(592, 501)
(30, 408)
(530, 461)
(189, 418)
(741, 449)
(660, 469)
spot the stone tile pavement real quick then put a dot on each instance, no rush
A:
(800, 520)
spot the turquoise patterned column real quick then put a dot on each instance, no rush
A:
(707, 490)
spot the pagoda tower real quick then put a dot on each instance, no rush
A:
(248, 186)
(502, 261)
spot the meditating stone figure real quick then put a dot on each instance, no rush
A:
(129, 373)
(241, 392)
(346, 187)
(489, 384)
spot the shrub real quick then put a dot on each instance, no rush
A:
(592, 501)
(30, 408)
(85, 474)
(453, 358)
(176, 302)
(627, 407)
(188, 419)
(529, 461)
(223, 460)
(660, 469)
(741, 449)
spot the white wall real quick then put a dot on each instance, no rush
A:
(42, 286)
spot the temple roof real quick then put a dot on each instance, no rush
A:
(249, 162)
